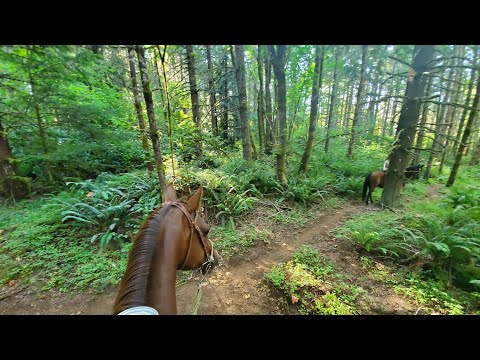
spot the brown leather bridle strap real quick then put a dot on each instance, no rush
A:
(193, 224)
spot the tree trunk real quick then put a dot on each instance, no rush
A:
(439, 126)
(278, 63)
(275, 110)
(370, 112)
(346, 119)
(358, 106)
(261, 121)
(224, 118)
(394, 110)
(269, 133)
(194, 97)
(138, 107)
(242, 98)
(475, 159)
(36, 106)
(459, 53)
(421, 130)
(466, 135)
(211, 87)
(467, 102)
(316, 84)
(10, 183)
(332, 103)
(160, 86)
(147, 95)
(235, 103)
(400, 156)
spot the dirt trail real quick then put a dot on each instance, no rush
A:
(235, 287)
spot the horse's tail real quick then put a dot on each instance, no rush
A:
(366, 183)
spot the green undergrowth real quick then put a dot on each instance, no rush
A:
(310, 285)
(437, 234)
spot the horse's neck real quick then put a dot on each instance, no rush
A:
(161, 292)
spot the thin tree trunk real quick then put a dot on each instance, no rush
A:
(387, 112)
(224, 118)
(351, 86)
(358, 106)
(269, 131)
(400, 156)
(275, 110)
(235, 102)
(147, 94)
(160, 86)
(459, 53)
(36, 106)
(466, 135)
(242, 97)
(421, 130)
(332, 103)
(211, 87)
(194, 97)
(467, 102)
(167, 97)
(394, 111)
(475, 159)
(316, 84)
(10, 183)
(439, 127)
(138, 107)
(278, 63)
(261, 122)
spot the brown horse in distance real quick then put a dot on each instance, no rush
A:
(372, 181)
(375, 179)
(173, 237)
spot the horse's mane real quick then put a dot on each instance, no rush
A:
(133, 288)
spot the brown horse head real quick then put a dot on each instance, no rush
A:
(174, 237)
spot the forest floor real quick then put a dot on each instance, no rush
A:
(237, 286)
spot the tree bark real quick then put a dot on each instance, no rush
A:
(261, 121)
(467, 102)
(316, 84)
(224, 117)
(394, 110)
(10, 184)
(400, 156)
(242, 98)
(278, 63)
(138, 107)
(36, 106)
(147, 95)
(439, 126)
(356, 114)
(421, 131)
(194, 97)
(269, 131)
(211, 87)
(466, 135)
(351, 87)
(332, 103)
(475, 159)
(459, 53)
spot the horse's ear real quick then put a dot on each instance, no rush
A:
(194, 202)
(169, 193)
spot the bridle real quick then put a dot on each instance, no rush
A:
(209, 263)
